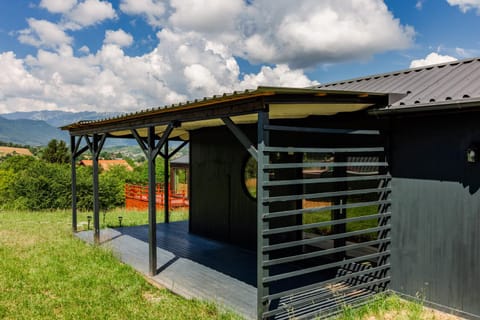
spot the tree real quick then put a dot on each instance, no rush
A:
(56, 152)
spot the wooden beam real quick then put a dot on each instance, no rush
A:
(241, 137)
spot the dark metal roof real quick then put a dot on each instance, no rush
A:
(446, 84)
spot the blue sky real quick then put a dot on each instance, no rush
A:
(124, 55)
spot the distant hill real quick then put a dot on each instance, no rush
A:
(59, 118)
(39, 127)
(29, 132)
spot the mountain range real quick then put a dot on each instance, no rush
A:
(37, 128)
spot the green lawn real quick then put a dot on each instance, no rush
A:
(46, 273)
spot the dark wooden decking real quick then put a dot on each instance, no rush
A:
(189, 265)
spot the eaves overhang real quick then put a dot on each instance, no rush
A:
(282, 103)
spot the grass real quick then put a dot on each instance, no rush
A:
(46, 273)
(314, 217)
(387, 306)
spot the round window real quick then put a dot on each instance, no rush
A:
(250, 177)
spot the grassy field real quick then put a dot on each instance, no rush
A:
(46, 273)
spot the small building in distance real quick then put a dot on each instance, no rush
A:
(107, 164)
(4, 151)
(179, 172)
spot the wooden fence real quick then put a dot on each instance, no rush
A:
(136, 198)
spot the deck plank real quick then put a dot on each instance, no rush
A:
(189, 265)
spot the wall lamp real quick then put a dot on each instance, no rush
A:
(473, 153)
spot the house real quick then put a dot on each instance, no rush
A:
(14, 151)
(389, 161)
(107, 164)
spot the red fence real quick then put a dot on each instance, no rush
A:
(136, 198)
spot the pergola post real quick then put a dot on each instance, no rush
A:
(152, 150)
(263, 138)
(152, 205)
(74, 153)
(95, 148)
(166, 188)
(73, 160)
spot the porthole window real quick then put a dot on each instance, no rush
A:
(250, 177)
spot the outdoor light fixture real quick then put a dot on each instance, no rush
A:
(120, 218)
(89, 218)
(472, 154)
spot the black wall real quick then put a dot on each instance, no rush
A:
(436, 210)
(220, 207)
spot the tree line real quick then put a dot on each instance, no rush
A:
(44, 182)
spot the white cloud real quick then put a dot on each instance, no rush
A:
(15, 79)
(88, 13)
(432, 58)
(119, 37)
(210, 16)
(466, 5)
(84, 50)
(153, 10)
(280, 75)
(196, 52)
(58, 6)
(298, 33)
(42, 33)
(419, 4)
(305, 33)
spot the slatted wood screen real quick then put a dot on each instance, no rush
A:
(324, 219)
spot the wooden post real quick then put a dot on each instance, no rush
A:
(96, 200)
(74, 182)
(152, 199)
(166, 188)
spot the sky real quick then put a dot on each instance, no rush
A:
(127, 55)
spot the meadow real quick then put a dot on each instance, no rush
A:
(47, 273)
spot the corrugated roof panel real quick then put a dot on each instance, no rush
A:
(453, 81)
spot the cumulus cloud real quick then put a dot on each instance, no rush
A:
(466, 5)
(280, 75)
(305, 33)
(298, 33)
(152, 10)
(88, 13)
(197, 46)
(119, 37)
(58, 6)
(208, 16)
(42, 33)
(432, 58)
(14, 78)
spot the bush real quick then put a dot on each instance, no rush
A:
(27, 183)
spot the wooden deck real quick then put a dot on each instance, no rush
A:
(189, 265)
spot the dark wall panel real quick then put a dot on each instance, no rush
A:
(220, 207)
(436, 210)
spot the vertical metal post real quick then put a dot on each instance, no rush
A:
(262, 208)
(96, 200)
(338, 214)
(152, 199)
(73, 159)
(166, 188)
